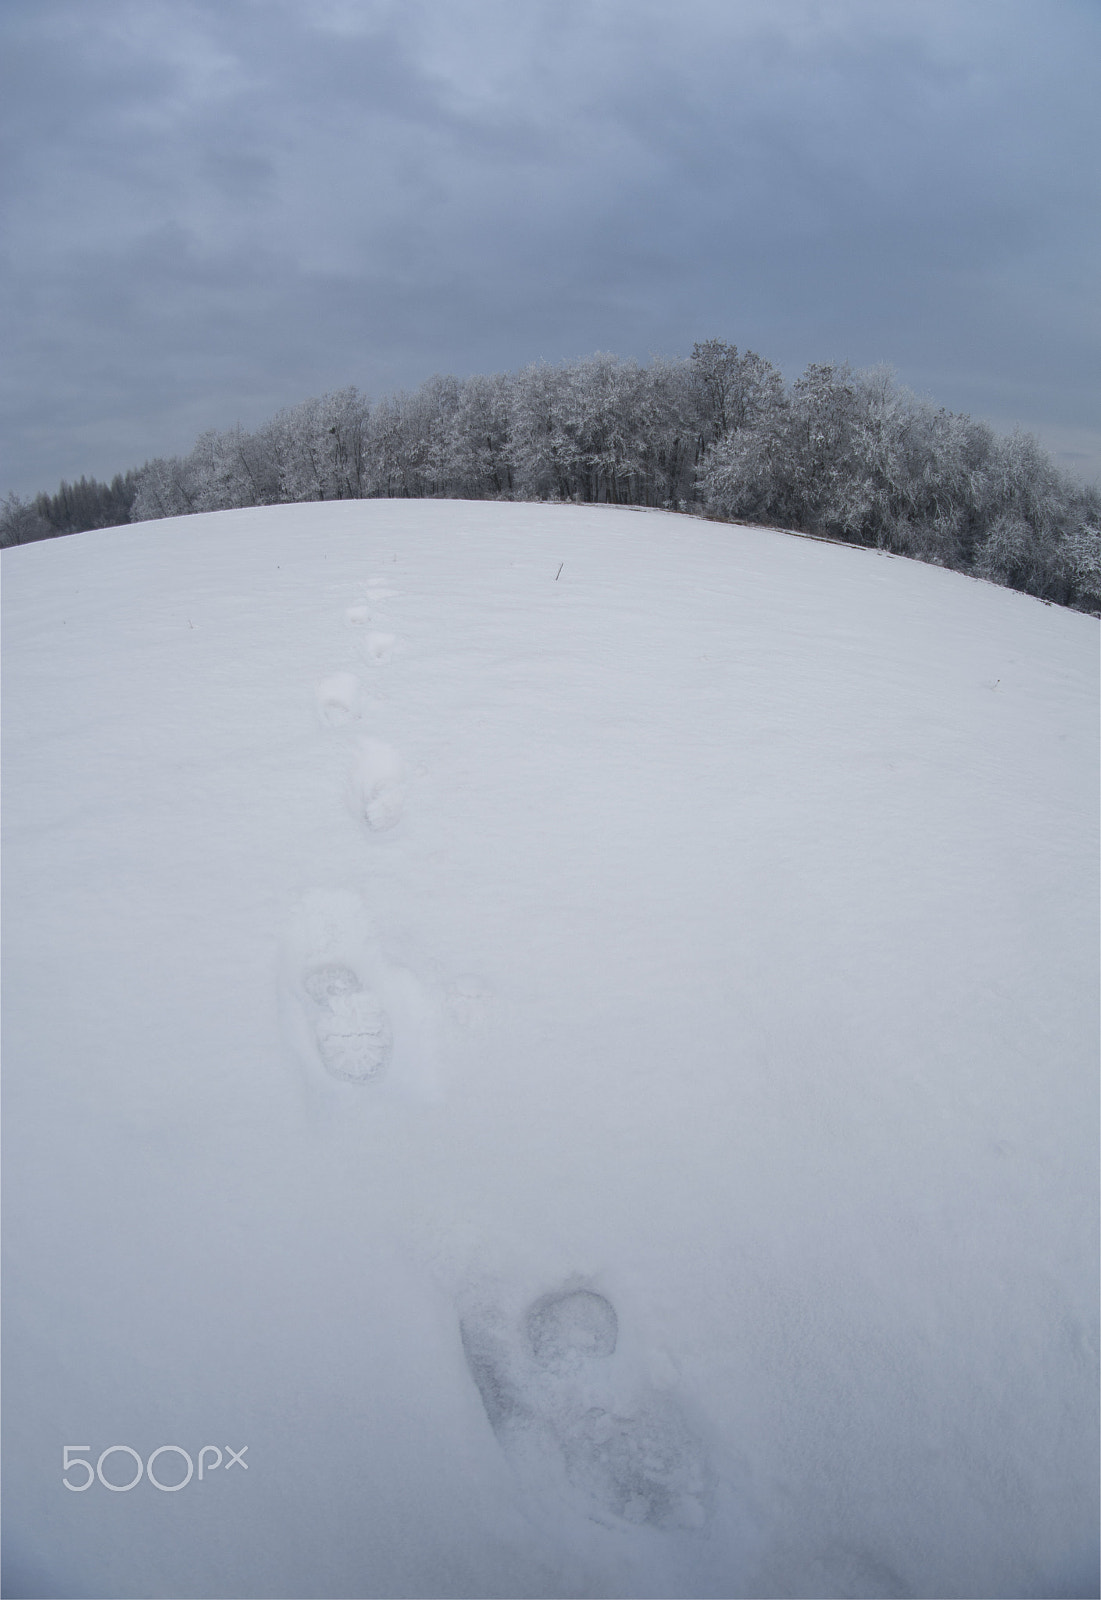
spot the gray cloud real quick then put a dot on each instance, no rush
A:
(216, 210)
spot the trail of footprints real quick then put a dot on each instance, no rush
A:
(349, 1025)
(547, 1384)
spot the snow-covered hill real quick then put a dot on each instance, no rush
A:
(569, 1033)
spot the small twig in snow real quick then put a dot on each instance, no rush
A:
(558, 574)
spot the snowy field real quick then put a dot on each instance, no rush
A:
(569, 1033)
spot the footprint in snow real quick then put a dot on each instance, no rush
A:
(377, 785)
(351, 1028)
(377, 590)
(349, 1006)
(338, 699)
(380, 589)
(380, 648)
(548, 1386)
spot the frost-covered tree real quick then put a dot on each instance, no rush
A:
(543, 450)
(604, 430)
(604, 415)
(167, 486)
(669, 433)
(479, 464)
(230, 470)
(407, 442)
(1082, 553)
(318, 450)
(732, 390)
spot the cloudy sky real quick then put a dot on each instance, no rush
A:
(216, 209)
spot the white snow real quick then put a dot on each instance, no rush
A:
(338, 699)
(591, 1079)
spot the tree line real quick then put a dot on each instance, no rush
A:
(75, 508)
(837, 453)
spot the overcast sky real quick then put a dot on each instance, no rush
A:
(213, 210)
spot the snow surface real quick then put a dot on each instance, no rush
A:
(591, 1079)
